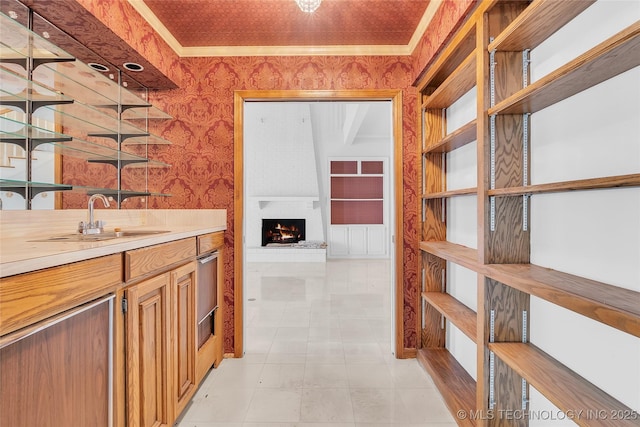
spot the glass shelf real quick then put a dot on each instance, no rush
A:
(21, 187)
(16, 91)
(45, 91)
(17, 132)
(18, 43)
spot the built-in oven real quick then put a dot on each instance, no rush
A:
(207, 300)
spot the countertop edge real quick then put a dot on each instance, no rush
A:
(80, 251)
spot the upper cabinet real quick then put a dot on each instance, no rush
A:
(67, 127)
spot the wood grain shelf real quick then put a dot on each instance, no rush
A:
(458, 138)
(453, 252)
(455, 384)
(563, 387)
(614, 56)
(611, 305)
(631, 180)
(451, 193)
(462, 80)
(461, 46)
(536, 23)
(459, 314)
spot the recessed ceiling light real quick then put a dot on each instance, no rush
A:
(132, 66)
(46, 34)
(13, 14)
(98, 67)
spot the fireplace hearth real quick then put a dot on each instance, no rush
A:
(282, 231)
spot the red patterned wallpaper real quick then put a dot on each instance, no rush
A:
(201, 175)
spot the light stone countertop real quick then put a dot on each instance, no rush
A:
(19, 253)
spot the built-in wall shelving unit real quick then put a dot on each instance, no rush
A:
(490, 52)
(51, 102)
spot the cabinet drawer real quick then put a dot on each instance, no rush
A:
(31, 297)
(142, 261)
(210, 242)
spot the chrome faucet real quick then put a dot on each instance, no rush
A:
(93, 227)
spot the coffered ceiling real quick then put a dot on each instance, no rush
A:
(279, 27)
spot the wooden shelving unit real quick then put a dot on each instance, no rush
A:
(490, 52)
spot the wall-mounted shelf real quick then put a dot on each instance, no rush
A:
(564, 388)
(308, 201)
(631, 180)
(608, 59)
(459, 314)
(457, 387)
(456, 139)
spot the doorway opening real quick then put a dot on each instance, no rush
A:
(243, 198)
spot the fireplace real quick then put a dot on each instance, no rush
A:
(282, 231)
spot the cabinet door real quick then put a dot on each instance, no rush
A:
(338, 240)
(183, 294)
(147, 329)
(357, 240)
(376, 240)
(57, 372)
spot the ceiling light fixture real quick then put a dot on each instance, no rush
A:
(308, 6)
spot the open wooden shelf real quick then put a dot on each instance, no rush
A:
(614, 56)
(536, 23)
(453, 252)
(455, 384)
(461, 81)
(563, 387)
(459, 314)
(631, 180)
(458, 138)
(611, 305)
(451, 193)
(461, 46)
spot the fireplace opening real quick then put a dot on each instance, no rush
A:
(282, 231)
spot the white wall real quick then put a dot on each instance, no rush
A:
(594, 234)
(462, 227)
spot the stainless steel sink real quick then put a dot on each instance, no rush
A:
(77, 237)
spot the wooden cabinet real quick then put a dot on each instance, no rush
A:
(160, 332)
(148, 361)
(499, 309)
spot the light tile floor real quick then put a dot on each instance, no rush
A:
(318, 353)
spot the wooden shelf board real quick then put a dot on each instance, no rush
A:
(631, 180)
(451, 193)
(611, 305)
(536, 23)
(459, 314)
(456, 139)
(461, 46)
(457, 84)
(563, 387)
(458, 254)
(608, 59)
(457, 387)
